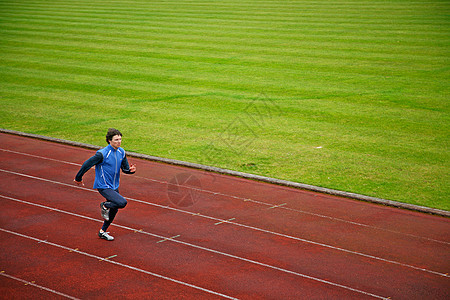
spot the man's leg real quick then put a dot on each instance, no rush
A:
(113, 198)
(114, 202)
(112, 215)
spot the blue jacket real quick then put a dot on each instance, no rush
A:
(108, 163)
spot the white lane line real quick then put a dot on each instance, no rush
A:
(245, 226)
(117, 263)
(194, 246)
(41, 157)
(32, 283)
(249, 200)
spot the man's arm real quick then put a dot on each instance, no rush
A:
(87, 165)
(126, 168)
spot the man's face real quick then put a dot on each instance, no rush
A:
(116, 141)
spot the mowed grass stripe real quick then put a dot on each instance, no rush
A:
(315, 34)
(233, 22)
(162, 68)
(415, 55)
(101, 84)
(234, 37)
(149, 77)
(139, 62)
(159, 48)
(236, 9)
(295, 36)
(339, 12)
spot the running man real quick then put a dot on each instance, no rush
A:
(108, 162)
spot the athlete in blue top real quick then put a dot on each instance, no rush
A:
(108, 162)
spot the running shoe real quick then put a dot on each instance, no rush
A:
(105, 211)
(105, 236)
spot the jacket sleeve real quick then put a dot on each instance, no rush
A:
(94, 160)
(125, 166)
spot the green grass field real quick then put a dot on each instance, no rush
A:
(346, 94)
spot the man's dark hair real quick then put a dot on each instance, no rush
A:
(112, 132)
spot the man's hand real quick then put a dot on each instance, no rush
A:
(133, 168)
(79, 183)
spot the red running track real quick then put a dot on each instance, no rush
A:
(191, 234)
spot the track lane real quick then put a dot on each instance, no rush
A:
(326, 265)
(12, 287)
(395, 246)
(423, 244)
(182, 262)
(87, 275)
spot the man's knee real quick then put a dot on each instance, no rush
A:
(122, 203)
(119, 200)
(115, 199)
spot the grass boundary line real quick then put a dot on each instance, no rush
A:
(260, 178)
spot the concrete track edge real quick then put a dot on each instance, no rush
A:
(297, 185)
